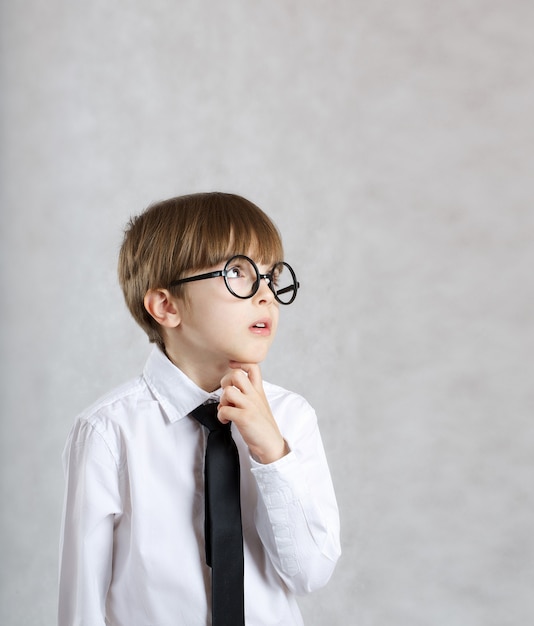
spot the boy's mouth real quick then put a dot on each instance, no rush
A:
(261, 327)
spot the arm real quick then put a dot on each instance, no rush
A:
(297, 516)
(91, 502)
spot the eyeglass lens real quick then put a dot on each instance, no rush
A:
(242, 279)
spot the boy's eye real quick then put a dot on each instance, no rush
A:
(235, 272)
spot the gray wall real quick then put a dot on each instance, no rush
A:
(392, 142)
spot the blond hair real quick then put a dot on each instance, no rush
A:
(189, 233)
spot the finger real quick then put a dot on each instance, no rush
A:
(231, 396)
(221, 414)
(235, 365)
(253, 372)
(236, 378)
(223, 400)
(227, 414)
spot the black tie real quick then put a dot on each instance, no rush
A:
(222, 527)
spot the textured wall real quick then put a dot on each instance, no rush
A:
(392, 142)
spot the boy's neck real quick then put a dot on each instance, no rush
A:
(207, 376)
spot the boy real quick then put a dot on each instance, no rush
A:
(203, 275)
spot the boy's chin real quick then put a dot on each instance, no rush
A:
(248, 361)
(253, 355)
(250, 358)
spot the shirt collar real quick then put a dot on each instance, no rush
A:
(177, 394)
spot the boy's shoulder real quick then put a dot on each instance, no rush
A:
(116, 401)
(280, 397)
(100, 425)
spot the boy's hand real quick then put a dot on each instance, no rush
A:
(243, 402)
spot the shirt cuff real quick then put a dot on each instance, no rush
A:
(280, 482)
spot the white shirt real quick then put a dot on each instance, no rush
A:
(132, 548)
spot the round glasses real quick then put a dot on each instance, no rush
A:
(242, 278)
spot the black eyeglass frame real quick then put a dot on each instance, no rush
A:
(259, 277)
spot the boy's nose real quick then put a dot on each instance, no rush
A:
(265, 293)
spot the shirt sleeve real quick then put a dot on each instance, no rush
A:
(91, 502)
(297, 516)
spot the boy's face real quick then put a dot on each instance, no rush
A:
(216, 327)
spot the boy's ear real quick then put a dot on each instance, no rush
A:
(163, 307)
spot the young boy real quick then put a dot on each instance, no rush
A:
(203, 275)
